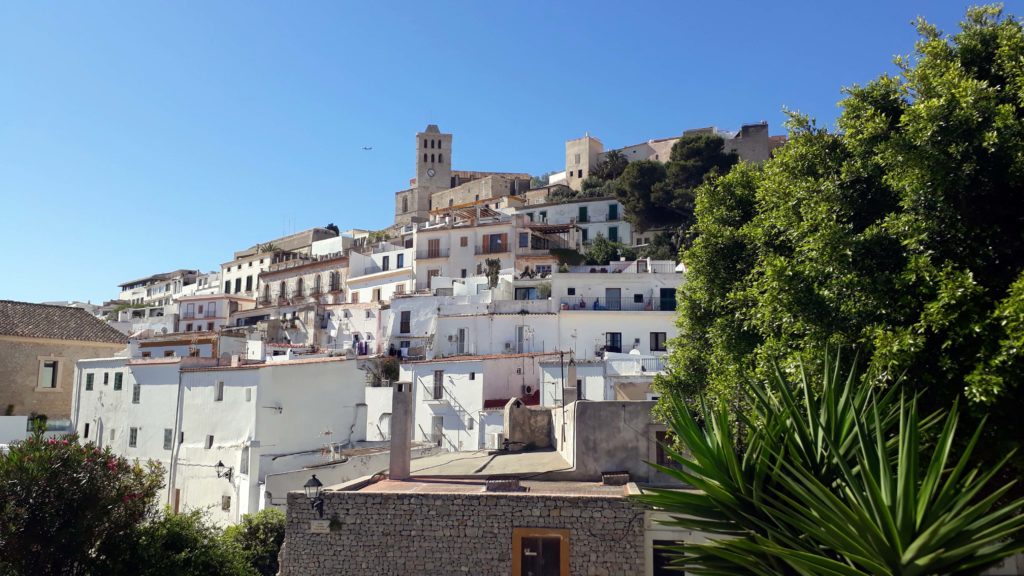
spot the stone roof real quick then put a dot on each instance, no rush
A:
(54, 322)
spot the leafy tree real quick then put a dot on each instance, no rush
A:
(609, 168)
(662, 196)
(259, 536)
(492, 271)
(826, 476)
(334, 228)
(899, 234)
(663, 246)
(68, 508)
(187, 544)
(603, 251)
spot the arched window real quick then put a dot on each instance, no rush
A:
(431, 158)
(440, 157)
(439, 144)
(316, 284)
(424, 156)
(405, 203)
(424, 142)
(266, 292)
(298, 287)
(431, 143)
(281, 290)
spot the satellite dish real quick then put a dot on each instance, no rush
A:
(163, 330)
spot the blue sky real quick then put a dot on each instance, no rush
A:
(140, 137)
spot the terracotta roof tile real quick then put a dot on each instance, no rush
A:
(55, 322)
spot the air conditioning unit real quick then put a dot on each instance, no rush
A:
(452, 337)
(495, 440)
(527, 389)
(509, 347)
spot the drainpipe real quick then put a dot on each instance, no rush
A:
(172, 472)
(77, 397)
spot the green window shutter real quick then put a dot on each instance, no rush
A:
(89, 380)
(117, 380)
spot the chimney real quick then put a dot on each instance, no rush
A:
(401, 430)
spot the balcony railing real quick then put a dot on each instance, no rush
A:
(491, 249)
(432, 253)
(626, 304)
(636, 367)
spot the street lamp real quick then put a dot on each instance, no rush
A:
(316, 501)
(223, 471)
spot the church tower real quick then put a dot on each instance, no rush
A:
(433, 165)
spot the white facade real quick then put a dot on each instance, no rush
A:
(256, 419)
(594, 217)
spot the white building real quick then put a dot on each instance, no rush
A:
(593, 216)
(209, 312)
(191, 415)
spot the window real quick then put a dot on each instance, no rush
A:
(168, 353)
(88, 382)
(577, 159)
(168, 437)
(431, 158)
(209, 326)
(248, 282)
(218, 391)
(583, 214)
(440, 157)
(404, 324)
(243, 464)
(133, 437)
(227, 286)
(355, 297)
(118, 380)
(638, 298)
(613, 211)
(136, 393)
(376, 296)
(399, 288)
(147, 354)
(200, 310)
(464, 241)
(238, 283)
(472, 375)
(424, 156)
(613, 342)
(400, 261)
(543, 216)
(438, 384)
(524, 239)
(571, 291)
(106, 378)
(248, 394)
(451, 201)
(369, 313)
(463, 272)
(540, 551)
(225, 503)
(613, 233)
(188, 327)
(385, 263)
(586, 236)
(209, 441)
(85, 434)
(405, 204)
(579, 173)
(658, 342)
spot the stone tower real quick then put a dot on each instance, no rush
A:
(433, 174)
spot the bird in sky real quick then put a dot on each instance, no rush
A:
(367, 147)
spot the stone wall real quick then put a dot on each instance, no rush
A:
(20, 358)
(457, 533)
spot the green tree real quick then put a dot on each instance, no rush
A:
(826, 476)
(662, 196)
(492, 271)
(603, 251)
(187, 544)
(334, 228)
(68, 508)
(899, 234)
(610, 167)
(259, 536)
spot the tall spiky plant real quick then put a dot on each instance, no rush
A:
(833, 481)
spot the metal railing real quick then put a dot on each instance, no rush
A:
(490, 249)
(432, 253)
(625, 304)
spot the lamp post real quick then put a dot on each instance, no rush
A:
(223, 471)
(316, 501)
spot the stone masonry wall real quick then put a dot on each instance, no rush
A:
(445, 533)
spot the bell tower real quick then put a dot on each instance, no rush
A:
(433, 164)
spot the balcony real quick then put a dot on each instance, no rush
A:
(491, 249)
(432, 253)
(626, 304)
(636, 367)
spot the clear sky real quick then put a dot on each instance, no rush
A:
(140, 137)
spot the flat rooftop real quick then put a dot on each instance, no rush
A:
(481, 463)
(423, 485)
